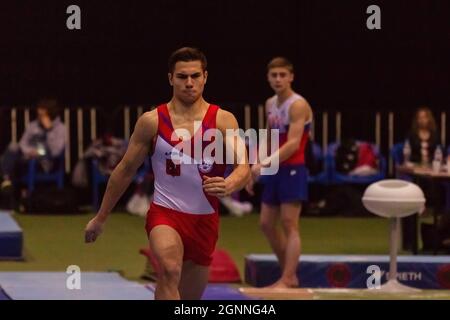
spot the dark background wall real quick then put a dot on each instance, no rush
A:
(120, 54)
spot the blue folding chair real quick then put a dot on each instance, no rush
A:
(340, 178)
(35, 174)
(397, 153)
(323, 176)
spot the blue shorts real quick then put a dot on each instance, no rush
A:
(290, 184)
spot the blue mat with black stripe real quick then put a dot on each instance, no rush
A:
(11, 237)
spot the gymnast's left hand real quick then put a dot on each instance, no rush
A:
(216, 186)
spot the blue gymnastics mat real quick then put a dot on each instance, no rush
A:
(94, 286)
(11, 237)
(52, 286)
(217, 291)
(223, 292)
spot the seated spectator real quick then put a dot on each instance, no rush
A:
(107, 150)
(356, 158)
(423, 140)
(367, 163)
(423, 137)
(44, 139)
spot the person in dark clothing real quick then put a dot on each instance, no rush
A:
(423, 137)
(423, 140)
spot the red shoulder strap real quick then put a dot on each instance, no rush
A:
(209, 121)
(165, 127)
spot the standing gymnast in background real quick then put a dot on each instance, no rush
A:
(284, 192)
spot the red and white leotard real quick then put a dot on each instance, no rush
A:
(179, 200)
(278, 118)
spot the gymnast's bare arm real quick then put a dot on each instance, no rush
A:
(138, 148)
(218, 186)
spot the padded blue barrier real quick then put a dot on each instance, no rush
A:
(350, 271)
(11, 237)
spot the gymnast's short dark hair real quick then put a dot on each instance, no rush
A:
(187, 54)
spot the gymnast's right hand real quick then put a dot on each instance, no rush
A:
(93, 229)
